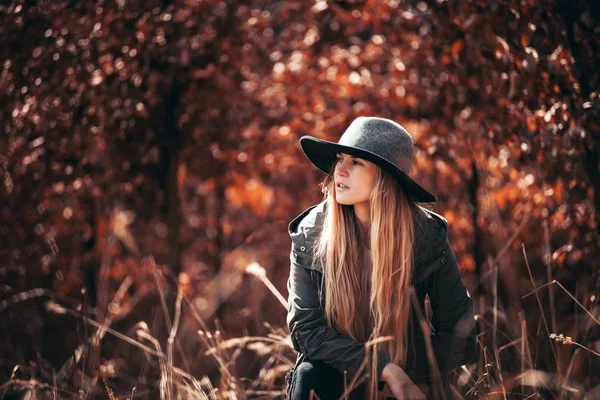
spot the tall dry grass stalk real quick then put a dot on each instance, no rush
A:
(494, 268)
(560, 338)
(170, 375)
(557, 283)
(94, 341)
(258, 271)
(438, 391)
(547, 257)
(537, 297)
(168, 382)
(359, 377)
(171, 340)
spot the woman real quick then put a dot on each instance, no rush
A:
(362, 263)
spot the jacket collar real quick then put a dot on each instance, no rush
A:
(430, 238)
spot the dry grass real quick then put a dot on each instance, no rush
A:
(488, 378)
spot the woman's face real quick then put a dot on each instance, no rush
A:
(354, 179)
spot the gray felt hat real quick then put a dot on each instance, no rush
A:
(378, 140)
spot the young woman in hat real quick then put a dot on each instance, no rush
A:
(362, 263)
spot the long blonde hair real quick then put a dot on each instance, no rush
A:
(356, 298)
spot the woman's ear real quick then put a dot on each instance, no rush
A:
(325, 185)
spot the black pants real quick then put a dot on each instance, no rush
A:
(327, 382)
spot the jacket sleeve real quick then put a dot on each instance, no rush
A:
(454, 328)
(309, 330)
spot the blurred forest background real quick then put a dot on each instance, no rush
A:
(150, 165)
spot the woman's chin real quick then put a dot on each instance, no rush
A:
(343, 201)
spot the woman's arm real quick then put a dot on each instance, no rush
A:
(453, 339)
(399, 385)
(310, 333)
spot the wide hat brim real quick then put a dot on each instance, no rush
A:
(323, 154)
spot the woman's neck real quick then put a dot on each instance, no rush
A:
(363, 213)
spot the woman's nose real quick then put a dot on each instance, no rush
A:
(341, 169)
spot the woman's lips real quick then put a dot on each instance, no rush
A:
(337, 186)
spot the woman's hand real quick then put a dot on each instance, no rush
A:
(399, 384)
(384, 393)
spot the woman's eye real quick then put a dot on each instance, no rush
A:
(339, 159)
(357, 163)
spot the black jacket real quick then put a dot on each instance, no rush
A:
(435, 274)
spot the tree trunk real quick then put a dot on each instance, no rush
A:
(478, 255)
(171, 150)
(570, 13)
